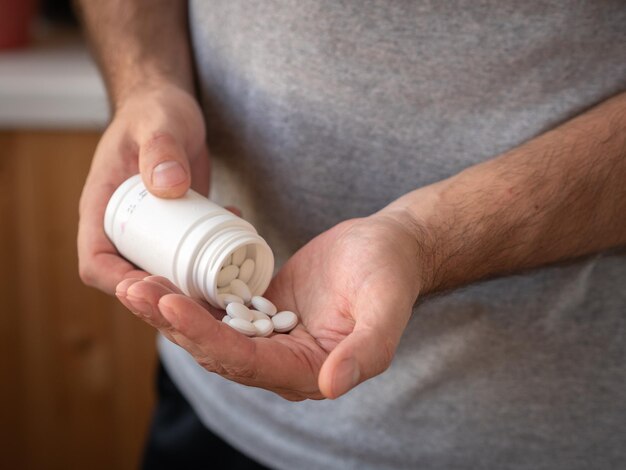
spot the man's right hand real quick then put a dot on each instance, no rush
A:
(159, 132)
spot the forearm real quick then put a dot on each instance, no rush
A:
(559, 196)
(139, 44)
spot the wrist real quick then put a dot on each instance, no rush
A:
(141, 89)
(162, 105)
(423, 214)
(419, 241)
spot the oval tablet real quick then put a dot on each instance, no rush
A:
(239, 256)
(226, 319)
(243, 326)
(263, 327)
(227, 274)
(284, 321)
(239, 311)
(246, 270)
(256, 315)
(229, 299)
(264, 305)
(240, 289)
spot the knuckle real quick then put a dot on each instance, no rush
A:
(242, 372)
(226, 370)
(210, 364)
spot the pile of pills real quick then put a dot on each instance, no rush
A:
(263, 318)
(235, 274)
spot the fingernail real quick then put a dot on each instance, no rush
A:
(170, 315)
(168, 174)
(346, 376)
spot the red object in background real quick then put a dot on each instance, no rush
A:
(15, 22)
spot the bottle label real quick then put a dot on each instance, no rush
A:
(133, 203)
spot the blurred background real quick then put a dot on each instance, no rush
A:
(76, 369)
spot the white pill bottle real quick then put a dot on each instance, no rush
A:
(186, 240)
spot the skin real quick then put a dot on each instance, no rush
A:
(557, 197)
(340, 301)
(156, 119)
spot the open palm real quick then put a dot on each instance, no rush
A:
(353, 288)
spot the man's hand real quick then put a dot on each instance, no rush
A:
(142, 49)
(159, 132)
(353, 287)
(556, 197)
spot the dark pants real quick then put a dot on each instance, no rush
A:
(178, 440)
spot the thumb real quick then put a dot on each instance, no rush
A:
(363, 354)
(164, 165)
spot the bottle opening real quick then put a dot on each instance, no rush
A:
(222, 248)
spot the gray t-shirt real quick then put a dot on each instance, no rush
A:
(319, 111)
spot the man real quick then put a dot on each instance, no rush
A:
(387, 151)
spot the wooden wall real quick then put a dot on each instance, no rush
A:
(76, 369)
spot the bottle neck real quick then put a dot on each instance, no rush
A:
(214, 253)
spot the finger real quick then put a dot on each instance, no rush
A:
(381, 315)
(120, 292)
(167, 335)
(366, 352)
(262, 362)
(363, 354)
(216, 312)
(144, 298)
(105, 270)
(165, 282)
(200, 333)
(164, 164)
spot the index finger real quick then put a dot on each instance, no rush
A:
(285, 362)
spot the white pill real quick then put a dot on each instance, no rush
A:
(263, 327)
(224, 290)
(246, 270)
(226, 319)
(239, 311)
(243, 326)
(241, 289)
(239, 256)
(284, 321)
(256, 315)
(227, 274)
(264, 305)
(229, 299)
